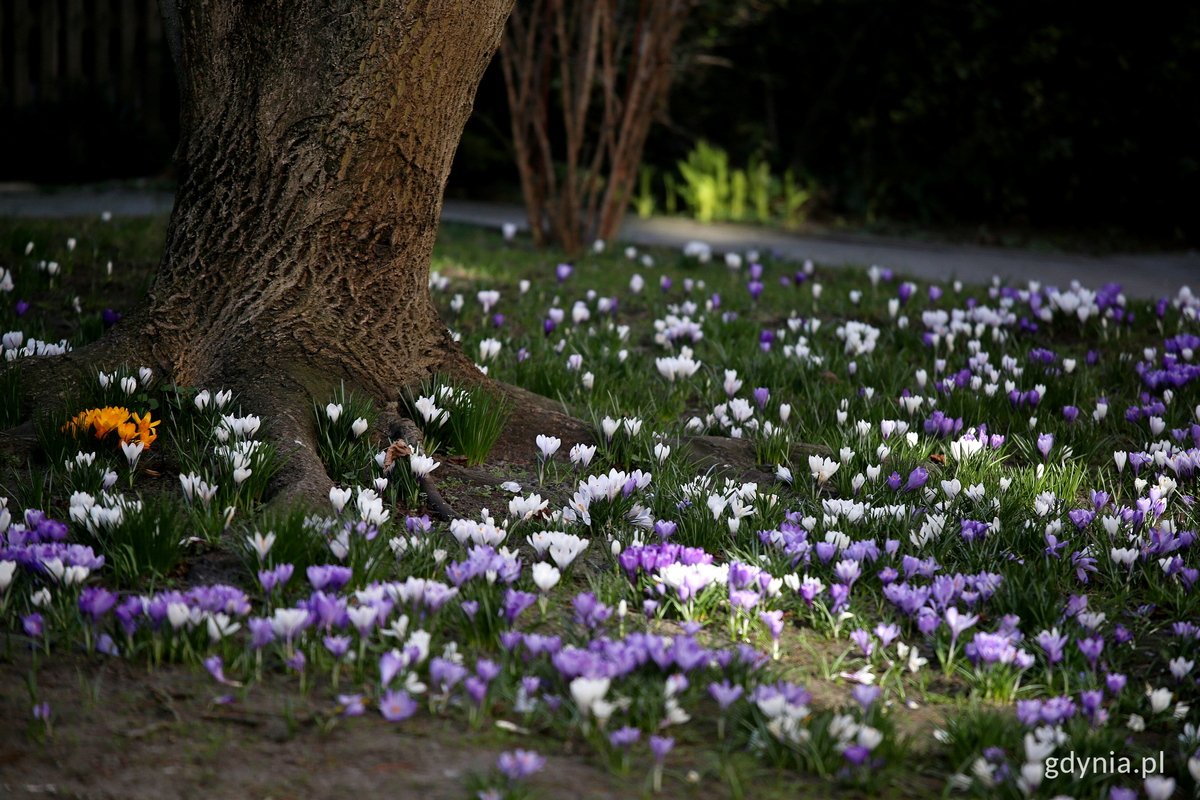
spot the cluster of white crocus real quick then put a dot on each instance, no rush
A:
(822, 468)
(966, 447)
(588, 694)
(83, 460)
(105, 512)
(701, 251)
(563, 548)
(932, 527)
(489, 349)
(606, 486)
(677, 367)
(859, 337)
(488, 299)
(240, 457)
(35, 348)
(848, 731)
(370, 507)
(484, 531)
(7, 570)
(671, 329)
(127, 383)
(675, 576)
(196, 488)
(1076, 301)
(632, 426)
(64, 574)
(430, 413)
(204, 398)
(421, 465)
(785, 720)
(523, 508)
(237, 427)
(582, 454)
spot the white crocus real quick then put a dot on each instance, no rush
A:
(545, 576)
(339, 497)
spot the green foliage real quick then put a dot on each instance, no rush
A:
(10, 396)
(464, 421)
(710, 190)
(343, 436)
(145, 546)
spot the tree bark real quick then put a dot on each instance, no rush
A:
(317, 137)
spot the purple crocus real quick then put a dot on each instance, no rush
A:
(351, 705)
(959, 622)
(390, 663)
(660, 746)
(445, 674)
(725, 693)
(856, 754)
(887, 633)
(516, 602)
(397, 706)
(1045, 442)
(862, 638)
(865, 695)
(95, 602)
(916, 479)
(328, 576)
(761, 395)
(773, 621)
(337, 646)
(261, 632)
(33, 624)
(1052, 643)
(517, 765)
(624, 737)
(1091, 648)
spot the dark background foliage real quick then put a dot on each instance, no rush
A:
(937, 114)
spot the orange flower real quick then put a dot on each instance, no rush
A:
(145, 428)
(106, 420)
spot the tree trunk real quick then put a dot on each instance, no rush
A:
(316, 139)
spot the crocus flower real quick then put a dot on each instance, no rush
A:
(916, 479)
(725, 693)
(624, 737)
(397, 706)
(351, 705)
(660, 746)
(517, 765)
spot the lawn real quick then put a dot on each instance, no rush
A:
(834, 530)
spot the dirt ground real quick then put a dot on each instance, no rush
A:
(124, 732)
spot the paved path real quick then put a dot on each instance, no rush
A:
(1148, 275)
(1141, 275)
